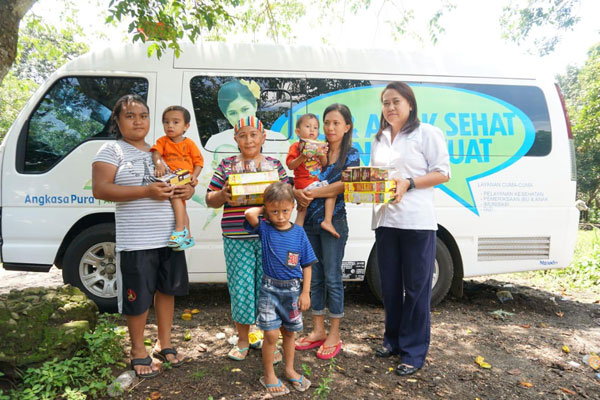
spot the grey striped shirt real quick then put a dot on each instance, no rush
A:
(144, 223)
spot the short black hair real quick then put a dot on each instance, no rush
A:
(304, 117)
(186, 114)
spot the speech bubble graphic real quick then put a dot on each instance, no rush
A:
(484, 134)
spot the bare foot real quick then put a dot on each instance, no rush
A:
(328, 226)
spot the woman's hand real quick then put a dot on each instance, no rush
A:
(303, 197)
(402, 186)
(226, 193)
(159, 191)
(184, 192)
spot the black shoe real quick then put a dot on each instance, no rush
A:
(383, 352)
(404, 370)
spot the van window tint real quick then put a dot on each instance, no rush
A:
(220, 101)
(74, 109)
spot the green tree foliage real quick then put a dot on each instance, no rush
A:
(539, 24)
(41, 50)
(581, 87)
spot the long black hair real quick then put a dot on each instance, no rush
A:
(116, 112)
(405, 91)
(347, 139)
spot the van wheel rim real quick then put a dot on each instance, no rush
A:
(98, 270)
(436, 274)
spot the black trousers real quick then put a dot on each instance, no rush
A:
(406, 261)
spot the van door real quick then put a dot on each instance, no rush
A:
(46, 187)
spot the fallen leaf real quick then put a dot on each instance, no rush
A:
(567, 391)
(566, 349)
(186, 316)
(121, 364)
(340, 368)
(202, 347)
(236, 370)
(147, 342)
(469, 331)
(479, 361)
(501, 314)
(526, 384)
(187, 335)
(390, 369)
(187, 311)
(155, 395)
(543, 325)
(195, 311)
(526, 326)
(411, 380)
(515, 371)
(560, 314)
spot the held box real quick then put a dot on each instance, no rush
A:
(365, 174)
(248, 188)
(368, 197)
(177, 177)
(313, 148)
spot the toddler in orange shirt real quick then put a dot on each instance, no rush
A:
(172, 152)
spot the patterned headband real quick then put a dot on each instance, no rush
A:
(249, 121)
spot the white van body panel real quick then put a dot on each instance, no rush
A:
(33, 234)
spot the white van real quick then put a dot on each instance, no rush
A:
(508, 207)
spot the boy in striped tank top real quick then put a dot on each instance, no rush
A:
(287, 257)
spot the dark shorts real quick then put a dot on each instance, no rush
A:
(278, 305)
(143, 272)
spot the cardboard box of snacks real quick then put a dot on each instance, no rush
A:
(177, 177)
(248, 188)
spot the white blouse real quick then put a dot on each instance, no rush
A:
(411, 155)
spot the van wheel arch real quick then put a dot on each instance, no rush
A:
(448, 267)
(82, 224)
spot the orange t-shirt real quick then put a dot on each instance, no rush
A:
(302, 176)
(184, 154)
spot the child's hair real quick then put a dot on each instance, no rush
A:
(124, 100)
(277, 192)
(186, 114)
(304, 118)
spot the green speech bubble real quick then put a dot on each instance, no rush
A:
(484, 134)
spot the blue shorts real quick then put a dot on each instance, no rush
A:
(278, 305)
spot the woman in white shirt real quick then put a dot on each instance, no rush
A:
(405, 229)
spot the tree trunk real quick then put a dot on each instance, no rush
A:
(11, 12)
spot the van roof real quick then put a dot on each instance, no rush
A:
(306, 59)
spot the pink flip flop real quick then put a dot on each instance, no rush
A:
(309, 344)
(338, 348)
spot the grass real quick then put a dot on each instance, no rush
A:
(584, 271)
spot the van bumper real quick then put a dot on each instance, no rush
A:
(27, 267)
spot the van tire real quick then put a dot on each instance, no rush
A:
(92, 254)
(445, 268)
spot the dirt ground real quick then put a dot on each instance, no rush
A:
(525, 347)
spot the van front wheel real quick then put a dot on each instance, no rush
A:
(90, 264)
(442, 273)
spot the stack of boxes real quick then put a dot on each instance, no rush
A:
(368, 185)
(248, 188)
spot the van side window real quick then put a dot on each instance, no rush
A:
(74, 110)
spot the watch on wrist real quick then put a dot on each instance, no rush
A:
(412, 184)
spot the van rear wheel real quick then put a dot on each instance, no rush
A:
(90, 264)
(442, 273)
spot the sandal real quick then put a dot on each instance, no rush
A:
(236, 350)
(147, 362)
(177, 238)
(186, 244)
(274, 385)
(300, 384)
(162, 356)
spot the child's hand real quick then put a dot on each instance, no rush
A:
(304, 301)
(194, 181)
(160, 169)
(301, 146)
